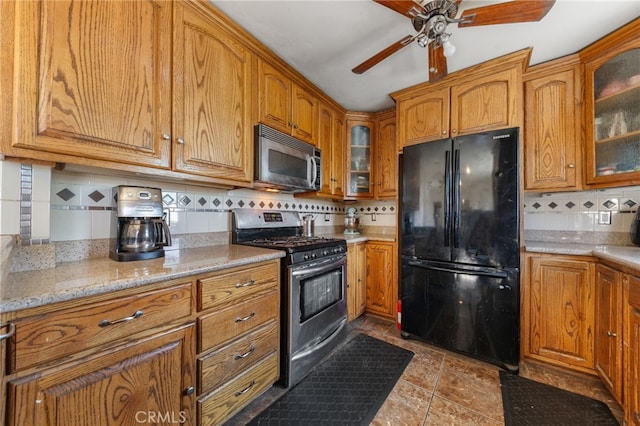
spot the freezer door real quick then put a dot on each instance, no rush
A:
(485, 199)
(426, 206)
(476, 314)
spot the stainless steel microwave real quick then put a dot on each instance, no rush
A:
(285, 163)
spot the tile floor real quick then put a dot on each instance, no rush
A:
(443, 388)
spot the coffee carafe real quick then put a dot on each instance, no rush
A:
(139, 230)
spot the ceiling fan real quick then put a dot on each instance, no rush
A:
(430, 20)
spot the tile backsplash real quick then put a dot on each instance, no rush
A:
(594, 217)
(74, 210)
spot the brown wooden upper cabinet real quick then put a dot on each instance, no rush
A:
(386, 157)
(552, 129)
(372, 158)
(104, 97)
(361, 129)
(103, 94)
(286, 106)
(479, 98)
(212, 125)
(331, 144)
(612, 110)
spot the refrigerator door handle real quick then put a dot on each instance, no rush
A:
(493, 274)
(447, 198)
(456, 199)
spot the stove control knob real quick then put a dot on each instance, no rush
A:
(306, 257)
(313, 255)
(326, 252)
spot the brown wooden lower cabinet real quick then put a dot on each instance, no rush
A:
(558, 310)
(238, 339)
(149, 381)
(608, 329)
(631, 353)
(356, 276)
(382, 281)
(581, 311)
(130, 357)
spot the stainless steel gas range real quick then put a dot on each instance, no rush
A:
(313, 288)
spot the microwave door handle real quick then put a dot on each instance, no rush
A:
(314, 173)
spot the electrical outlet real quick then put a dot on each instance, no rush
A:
(604, 218)
(326, 217)
(373, 217)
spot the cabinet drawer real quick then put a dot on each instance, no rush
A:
(219, 405)
(229, 361)
(46, 337)
(226, 324)
(237, 284)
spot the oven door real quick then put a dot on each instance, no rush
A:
(317, 306)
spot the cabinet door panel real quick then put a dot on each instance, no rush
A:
(114, 388)
(561, 311)
(424, 118)
(275, 98)
(325, 142)
(551, 130)
(100, 94)
(382, 293)
(386, 170)
(304, 115)
(212, 124)
(608, 329)
(484, 103)
(338, 157)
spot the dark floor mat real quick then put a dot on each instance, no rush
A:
(347, 388)
(527, 402)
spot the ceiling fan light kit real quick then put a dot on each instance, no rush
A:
(431, 17)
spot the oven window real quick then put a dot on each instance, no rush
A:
(287, 165)
(320, 292)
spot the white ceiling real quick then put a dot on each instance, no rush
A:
(325, 39)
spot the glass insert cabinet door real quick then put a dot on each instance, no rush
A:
(360, 136)
(613, 136)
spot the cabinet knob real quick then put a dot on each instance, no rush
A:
(166, 136)
(290, 123)
(444, 132)
(611, 334)
(180, 141)
(295, 126)
(190, 390)
(571, 166)
(454, 131)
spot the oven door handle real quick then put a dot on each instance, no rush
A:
(322, 344)
(314, 270)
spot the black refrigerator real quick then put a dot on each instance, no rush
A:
(459, 245)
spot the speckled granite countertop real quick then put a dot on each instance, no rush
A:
(72, 280)
(623, 255)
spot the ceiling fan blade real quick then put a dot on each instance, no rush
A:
(401, 6)
(437, 62)
(507, 13)
(383, 54)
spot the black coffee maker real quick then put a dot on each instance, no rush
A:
(138, 229)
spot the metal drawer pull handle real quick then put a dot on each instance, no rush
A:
(12, 330)
(245, 390)
(246, 354)
(106, 323)
(248, 317)
(611, 334)
(247, 284)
